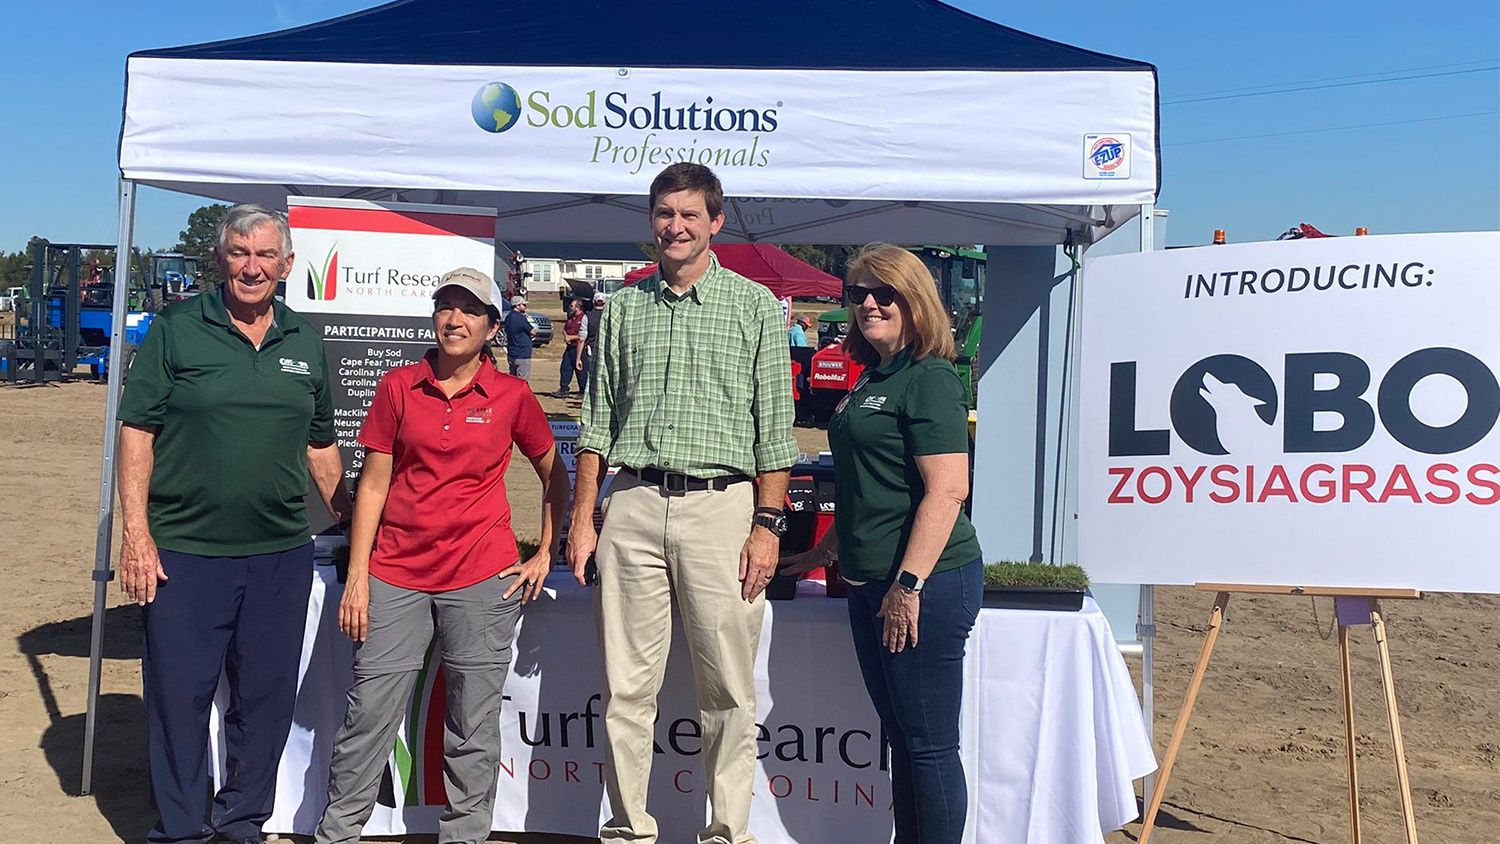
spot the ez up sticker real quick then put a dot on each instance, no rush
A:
(1106, 156)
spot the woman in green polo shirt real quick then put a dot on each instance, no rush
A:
(901, 458)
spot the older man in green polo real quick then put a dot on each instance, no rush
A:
(691, 398)
(226, 411)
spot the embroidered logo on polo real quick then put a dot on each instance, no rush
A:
(844, 402)
(873, 402)
(480, 415)
(295, 367)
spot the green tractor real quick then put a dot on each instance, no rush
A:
(959, 276)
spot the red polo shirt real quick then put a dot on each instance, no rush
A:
(446, 523)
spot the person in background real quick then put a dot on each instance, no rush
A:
(900, 449)
(591, 342)
(575, 334)
(690, 399)
(518, 334)
(797, 334)
(431, 548)
(227, 410)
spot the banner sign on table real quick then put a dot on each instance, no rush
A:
(1314, 412)
(1054, 679)
(364, 277)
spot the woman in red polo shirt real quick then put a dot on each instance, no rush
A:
(431, 547)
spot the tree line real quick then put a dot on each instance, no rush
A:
(195, 240)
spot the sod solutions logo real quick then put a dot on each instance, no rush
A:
(634, 134)
(322, 285)
(496, 107)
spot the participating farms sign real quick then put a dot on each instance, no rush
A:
(383, 259)
(1313, 412)
(364, 276)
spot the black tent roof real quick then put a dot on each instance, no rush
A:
(821, 34)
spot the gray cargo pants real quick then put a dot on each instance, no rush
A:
(475, 628)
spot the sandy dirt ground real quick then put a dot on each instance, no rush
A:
(1262, 762)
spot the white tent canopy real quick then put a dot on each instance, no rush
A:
(827, 122)
(842, 121)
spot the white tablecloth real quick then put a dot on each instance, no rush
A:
(1062, 735)
(1052, 731)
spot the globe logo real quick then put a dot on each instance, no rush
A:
(496, 107)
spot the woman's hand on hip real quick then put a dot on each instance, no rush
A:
(900, 610)
(529, 577)
(354, 607)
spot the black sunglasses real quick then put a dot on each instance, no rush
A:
(884, 294)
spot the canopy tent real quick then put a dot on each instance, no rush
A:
(769, 265)
(835, 122)
(917, 123)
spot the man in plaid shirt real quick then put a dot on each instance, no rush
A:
(691, 398)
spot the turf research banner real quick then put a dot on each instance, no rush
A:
(364, 277)
(1314, 412)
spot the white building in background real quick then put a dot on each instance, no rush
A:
(550, 264)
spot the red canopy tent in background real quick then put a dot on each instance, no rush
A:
(769, 265)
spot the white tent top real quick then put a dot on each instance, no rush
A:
(834, 122)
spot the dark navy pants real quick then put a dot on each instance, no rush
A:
(917, 694)
(242, 616)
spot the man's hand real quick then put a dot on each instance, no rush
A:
(757, 561)
(140, 566)
(354, 609)
(583, 540)
(530, 575)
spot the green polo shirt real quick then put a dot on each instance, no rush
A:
(898, 411)
(699, 383)
(233, 425)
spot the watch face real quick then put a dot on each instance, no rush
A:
(775, 524)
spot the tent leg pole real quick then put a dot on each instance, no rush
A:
(1146, 632)
(104, 529)
(1147, 629)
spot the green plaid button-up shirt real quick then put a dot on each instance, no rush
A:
(698, 383)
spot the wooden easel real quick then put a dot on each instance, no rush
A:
(1353, 607)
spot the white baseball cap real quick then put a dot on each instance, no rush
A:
(469, 279)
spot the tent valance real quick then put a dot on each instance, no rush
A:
(918, 122)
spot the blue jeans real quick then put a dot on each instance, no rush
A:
(568, 369)
(917, 694)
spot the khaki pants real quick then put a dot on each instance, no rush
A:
(657, 548)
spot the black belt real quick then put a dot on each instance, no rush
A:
(678, 482)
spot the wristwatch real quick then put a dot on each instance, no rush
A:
(909, 581)
(771, 519)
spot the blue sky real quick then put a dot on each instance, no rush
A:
(1406, 163)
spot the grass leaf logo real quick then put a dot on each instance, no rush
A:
(324, 285)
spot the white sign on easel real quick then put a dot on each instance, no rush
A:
(1312, 411)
